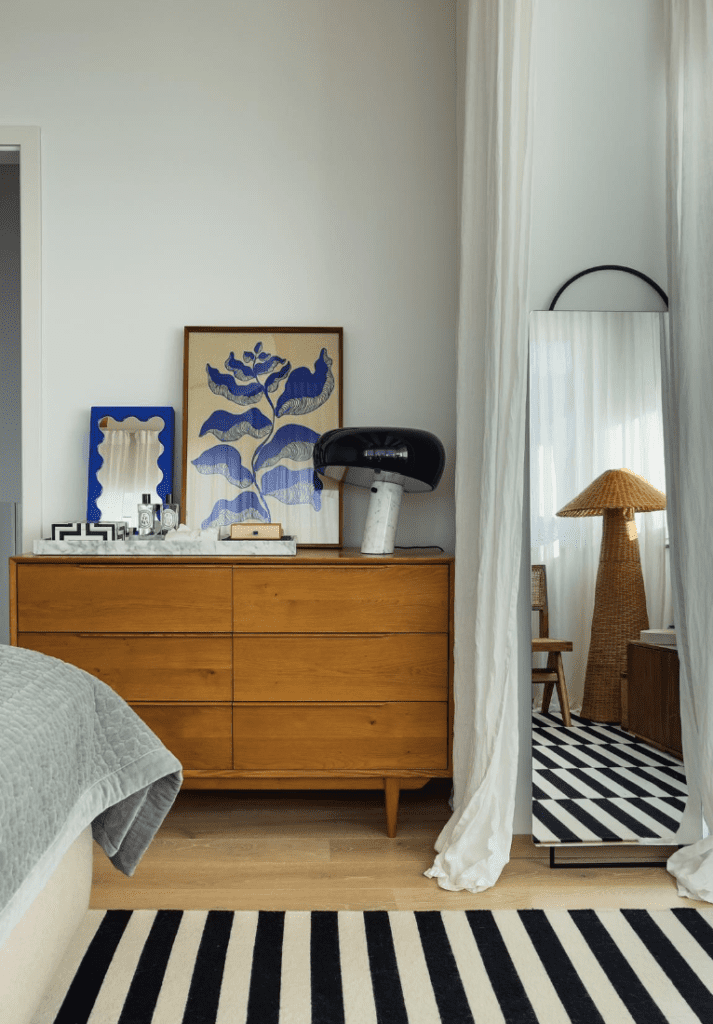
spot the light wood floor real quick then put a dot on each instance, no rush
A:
(329, 851)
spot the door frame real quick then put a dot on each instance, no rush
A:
(27, 139)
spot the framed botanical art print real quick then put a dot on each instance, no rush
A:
(255, 401)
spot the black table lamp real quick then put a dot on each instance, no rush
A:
(389, 461)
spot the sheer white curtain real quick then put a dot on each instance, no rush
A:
(491, 394)
(595, 400)
(129, 470)
(114, 450)
(687, 358)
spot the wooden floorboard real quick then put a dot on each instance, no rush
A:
(329, 851)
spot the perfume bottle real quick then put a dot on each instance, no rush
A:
(169, 514)
(146, 516)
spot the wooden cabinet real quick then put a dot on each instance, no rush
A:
(326, 670)
(653, 711)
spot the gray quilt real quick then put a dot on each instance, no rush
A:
(72, 752)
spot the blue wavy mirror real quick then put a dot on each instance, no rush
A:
(130, 454)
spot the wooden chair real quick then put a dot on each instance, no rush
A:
(553, 674)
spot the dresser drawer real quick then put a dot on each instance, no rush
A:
(332, 737)
(146, 667)
(123, 599)
(366, 667)
(372, 599)
(200, 735)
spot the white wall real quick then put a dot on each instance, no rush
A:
(235, 162)
(599, 153)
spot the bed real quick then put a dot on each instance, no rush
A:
(76, 765)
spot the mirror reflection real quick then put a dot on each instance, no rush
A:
(615, 772)
(130, 450)
(131, 454)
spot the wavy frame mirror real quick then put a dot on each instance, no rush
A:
(130, 454)
(595, 405)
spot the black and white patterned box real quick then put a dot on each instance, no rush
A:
(89, 530)
(121, 529)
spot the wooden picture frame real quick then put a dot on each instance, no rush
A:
(255, 400)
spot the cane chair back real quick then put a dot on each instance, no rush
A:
(553, 674)
(539, 598)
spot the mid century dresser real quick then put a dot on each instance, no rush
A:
(326, 670)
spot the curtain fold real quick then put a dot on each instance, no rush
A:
(687, 364)
(474, 845)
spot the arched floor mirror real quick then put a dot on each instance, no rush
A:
(613, 775)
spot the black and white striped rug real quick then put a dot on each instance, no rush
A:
(387, 967)
(597, 783)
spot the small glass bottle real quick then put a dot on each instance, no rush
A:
(169, 514)
(146, 516)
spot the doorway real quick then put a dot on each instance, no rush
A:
(20, 350)
(10, 351)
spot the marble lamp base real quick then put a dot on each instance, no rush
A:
(382, 517)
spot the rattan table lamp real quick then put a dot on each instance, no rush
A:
(619, 599)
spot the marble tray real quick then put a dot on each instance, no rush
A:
(168, 547)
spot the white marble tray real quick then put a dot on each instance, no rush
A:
(171, 546)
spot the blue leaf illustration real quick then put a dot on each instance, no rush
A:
(272, 361)
(225, 386)
(224, 460)
(293, 486)
(293, 441)
(228, 426)
(265, 362)
(239, 370)
(245, 506)
(306, 391)
(258, 347)
(273, 381)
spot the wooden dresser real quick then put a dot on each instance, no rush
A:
(651, 706)
(326, 670)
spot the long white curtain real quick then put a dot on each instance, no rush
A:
(595, 401)
(687, 358)
(491, 401)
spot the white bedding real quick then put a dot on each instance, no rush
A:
(72, 754)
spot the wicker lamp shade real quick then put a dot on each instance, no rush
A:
(619, 599)
(617, 488)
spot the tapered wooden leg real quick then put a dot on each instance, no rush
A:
(392, 789)
(562, 689)
(549, 687)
